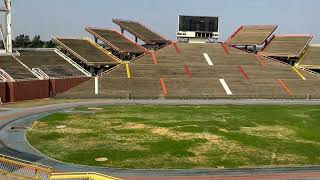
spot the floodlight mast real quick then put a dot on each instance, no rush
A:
(8, 26)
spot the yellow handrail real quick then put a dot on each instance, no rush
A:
(298, 72)
(24, 169)
(128, 71)
(80, 176)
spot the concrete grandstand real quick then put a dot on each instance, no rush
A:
(38, 73)
(170, 70)
(253, 63)
(200, 71)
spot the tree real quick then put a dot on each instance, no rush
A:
(49, 44)
(36, 42)
(22, 41)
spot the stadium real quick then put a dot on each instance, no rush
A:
(129, 103)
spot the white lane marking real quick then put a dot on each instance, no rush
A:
(206, 56)
(225, 86)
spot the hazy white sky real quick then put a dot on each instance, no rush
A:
(69, 17)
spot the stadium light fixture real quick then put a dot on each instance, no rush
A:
(7, 9)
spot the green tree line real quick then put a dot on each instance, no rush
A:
(24, 41)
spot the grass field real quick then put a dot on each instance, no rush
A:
(182, 136)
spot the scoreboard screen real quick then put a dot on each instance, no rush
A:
(198, 23)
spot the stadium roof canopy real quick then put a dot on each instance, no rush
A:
(251, 35)
(311, 58)
(87, 51)
(288, 46)
(117, 41)
(141, 31)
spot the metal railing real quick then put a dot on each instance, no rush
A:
(23, 169)
(11, 166)
(73, 63)
(81, 176)
(5, 76)
(40, 74)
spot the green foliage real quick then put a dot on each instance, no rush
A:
(22, 41)
(36, 42)
(49, 44)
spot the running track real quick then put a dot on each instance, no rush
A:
(17, 146)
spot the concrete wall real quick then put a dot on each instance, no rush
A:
(28, 90)
(37, 89)
(58, 86)
(3, 92)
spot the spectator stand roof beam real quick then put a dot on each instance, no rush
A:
(289, 46)
(311, 58)
(87, 51)
(116, 41)
(141, 32)
(251, 35)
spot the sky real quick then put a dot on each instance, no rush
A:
(68, 18)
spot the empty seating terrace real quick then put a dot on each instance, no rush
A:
(87, 51)
(15, 69)
(251, 35)
(185, 74)
(117, 41)
(193, 54)
(49, 62)
(287, 46)
(169, 63)
(307, 89)
(311, 58)
(141, 31)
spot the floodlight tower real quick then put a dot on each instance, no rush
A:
(8, 26)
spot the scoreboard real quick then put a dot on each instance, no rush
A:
(198, 23)
(198, 28)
